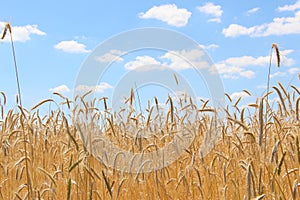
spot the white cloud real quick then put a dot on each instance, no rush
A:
(261, 60)
(235, 30)
(248, 74)
(60, 89)
(21, 33)
(210, 46)
(98, 88)
(294, 70)
(235, 67)
(277, 74)
(168, 13)
(176, 60)
(112, 55)
(279, 26)
(290, 7)
(285, 61)
(246, 61)
(253, 10)
(143, 63)
(213, 10)
(233, 72)
(237, 95)
(232, 67)
(186, 59)
(71, 46)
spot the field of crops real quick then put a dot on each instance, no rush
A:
(256, 155)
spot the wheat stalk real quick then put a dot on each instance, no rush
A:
(8, 27)
(261, 122)
(274, 46)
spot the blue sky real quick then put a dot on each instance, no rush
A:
(53, 39)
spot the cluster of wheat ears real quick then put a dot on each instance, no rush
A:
(257, 155)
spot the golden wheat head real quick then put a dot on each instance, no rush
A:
(275, 46)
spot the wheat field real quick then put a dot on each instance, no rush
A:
(256, 154)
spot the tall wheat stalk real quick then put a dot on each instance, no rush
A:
(274, 46)
(8, 27)
(29, 185)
